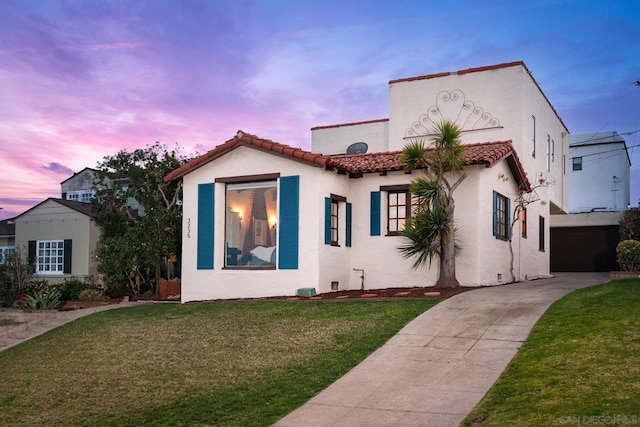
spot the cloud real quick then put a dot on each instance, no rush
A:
(58, 169)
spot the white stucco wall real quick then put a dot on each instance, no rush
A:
(587, 219)
(336, 139)
(604, 181)
(509, 95)
(317, 263)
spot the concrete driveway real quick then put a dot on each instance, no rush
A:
(439, 366)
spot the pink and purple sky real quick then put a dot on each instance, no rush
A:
(80, 80)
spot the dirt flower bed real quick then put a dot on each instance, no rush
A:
(424, 293)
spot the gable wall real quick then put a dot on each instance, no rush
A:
(52, 221)
(336, 139)
(314, 184)
(594, 185)
(507, 94)
(83, 180)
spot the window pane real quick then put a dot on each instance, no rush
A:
(251, 224)
(397, 210)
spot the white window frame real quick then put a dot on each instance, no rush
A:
(6, 251)
(82, 196)
(50, 257)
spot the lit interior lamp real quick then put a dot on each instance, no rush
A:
(273, 221)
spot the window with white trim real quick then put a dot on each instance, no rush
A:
(577, 163)
(50, 257)
(82, 196)
(5, 252)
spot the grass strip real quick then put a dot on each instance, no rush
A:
(226, 364)
(579, 366)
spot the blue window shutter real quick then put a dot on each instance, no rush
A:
(348, 225)
(375, 213)
(66, 266)
(205, 226)
(495, 213)
(288, 222)
(327, 220)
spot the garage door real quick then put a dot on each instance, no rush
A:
(584, 248)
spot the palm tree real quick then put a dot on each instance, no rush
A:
(430, 230)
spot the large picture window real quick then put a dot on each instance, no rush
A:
(50, 257)
(251, 221)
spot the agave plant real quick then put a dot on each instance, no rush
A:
(42, 300)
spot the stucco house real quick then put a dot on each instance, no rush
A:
(261, 218)
(599, 193)
(62, 236)
(7, 239)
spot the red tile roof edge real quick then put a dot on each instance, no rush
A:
(366, 122)
(345, 161)
(338, 160)
(465, 71)
(252, 141)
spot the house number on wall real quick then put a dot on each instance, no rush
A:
(188, 228)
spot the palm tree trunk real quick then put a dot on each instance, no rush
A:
(447, 277)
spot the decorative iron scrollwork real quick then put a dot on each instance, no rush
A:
(455, 107)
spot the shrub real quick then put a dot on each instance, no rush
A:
(6, 293)
(18, 273)
(628, 252)
(90, 295)
(35, 286)
(630, 225)
(42, 300)
(70, 289)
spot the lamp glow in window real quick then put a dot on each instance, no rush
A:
(250, 238)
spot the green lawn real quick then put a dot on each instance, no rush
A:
(579, 366)
(233, 363)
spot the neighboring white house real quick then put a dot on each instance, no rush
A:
(264, 219)
(599, 178)
(599, 193)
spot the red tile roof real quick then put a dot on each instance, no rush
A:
(248, 140)
(487, 153)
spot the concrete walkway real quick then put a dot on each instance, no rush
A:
(31, 324)
(438, 367)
